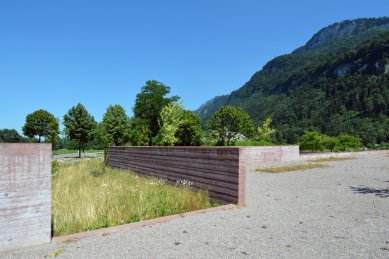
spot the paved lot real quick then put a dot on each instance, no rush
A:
(336, 212)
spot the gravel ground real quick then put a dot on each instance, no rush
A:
(337, 212)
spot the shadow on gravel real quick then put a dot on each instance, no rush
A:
(383, 193)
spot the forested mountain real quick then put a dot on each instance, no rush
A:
(337, 83)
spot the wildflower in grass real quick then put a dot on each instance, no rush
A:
(162, 181)
(184, 183)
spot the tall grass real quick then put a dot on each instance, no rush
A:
(86, 197)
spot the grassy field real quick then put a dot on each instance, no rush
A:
(70, 151)
(86, 197)
(283, 169)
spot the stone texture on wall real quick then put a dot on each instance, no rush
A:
(25, 195)
(220, 170)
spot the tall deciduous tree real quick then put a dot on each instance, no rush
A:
(140, 132)
(265, 132)
(170, 120)
(189, 132)
(228, 122)
(79, 125)
(149, 103)
(115, 127)
(41, 123)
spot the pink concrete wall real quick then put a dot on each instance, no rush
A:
(256, 156)
(25, 195)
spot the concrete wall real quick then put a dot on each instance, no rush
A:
(25, 195)
(256, 156)
(221, 170)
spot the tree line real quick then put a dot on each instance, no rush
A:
(159, 120)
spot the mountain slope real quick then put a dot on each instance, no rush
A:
(338, 82)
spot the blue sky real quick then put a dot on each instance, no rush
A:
(54, 54)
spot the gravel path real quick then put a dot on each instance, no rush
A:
(336, 212)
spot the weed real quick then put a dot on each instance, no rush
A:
(56, 253)
(54, 167)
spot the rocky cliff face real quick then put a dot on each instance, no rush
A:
(343, 29)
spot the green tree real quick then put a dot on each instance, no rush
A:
(41, 123)
(149, 103)
(189, 132)
(80, 126)
(140, 134)
(170, 120)
(265, 132)
(228, 122)
(115, 127)
(55, 142)
(311, 140)
(10, 136)
(348, 141)
(329, 142)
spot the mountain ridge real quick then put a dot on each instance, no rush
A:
(330, 60)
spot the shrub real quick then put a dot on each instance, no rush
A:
(329, 142)
(54, 167)
(348, 141)
(311, 140)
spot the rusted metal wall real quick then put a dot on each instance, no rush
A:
(221, 170)
(25, 195)
(215, 169)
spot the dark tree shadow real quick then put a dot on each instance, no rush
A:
(383, 193)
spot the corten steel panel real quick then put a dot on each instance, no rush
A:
(25, 195)
(215, 169)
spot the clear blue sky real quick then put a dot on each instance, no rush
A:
(54, 54)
